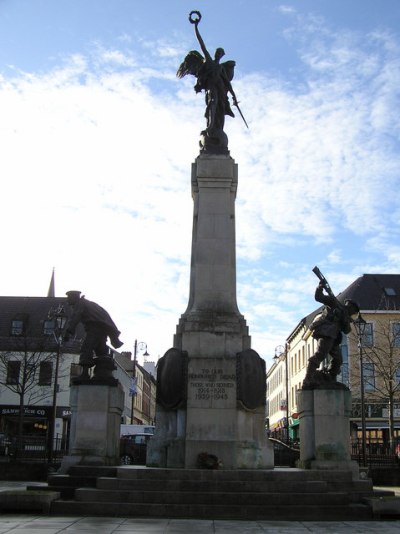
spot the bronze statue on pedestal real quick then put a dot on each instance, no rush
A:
(215, 79)
(98, 327)
(334, 319)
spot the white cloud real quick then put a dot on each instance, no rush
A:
(96, 162)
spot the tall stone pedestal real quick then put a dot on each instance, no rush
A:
(211, 384)
(324, 416)
(95, 425)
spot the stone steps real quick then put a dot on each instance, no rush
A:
(229, 494)
(90, 495)
(83, 477)
(240, 486)
(253, 475)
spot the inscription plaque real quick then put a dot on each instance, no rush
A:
(211, 385)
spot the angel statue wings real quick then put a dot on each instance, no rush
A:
(215, 79)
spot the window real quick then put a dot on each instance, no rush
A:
(344, 371)
(17, 327)
(13, 370)
(48, 327)
(344, 349)
(344, 374)
(396, 334)
(369, 376)
(45, 373)
(390, 292)
(19, 324)
(75, 371)
(368, 336)
(397, 377)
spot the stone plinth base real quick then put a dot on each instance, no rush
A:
(324, 416)
(95, 425)
(218, 417)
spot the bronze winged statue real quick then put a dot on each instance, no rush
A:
(214, 78)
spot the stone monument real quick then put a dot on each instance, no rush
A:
(324, 415)
(96, 401)
(96, 409)
(324, 404)
(211, 386)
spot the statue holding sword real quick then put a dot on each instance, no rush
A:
(214, 78)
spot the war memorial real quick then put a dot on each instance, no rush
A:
(210, 456)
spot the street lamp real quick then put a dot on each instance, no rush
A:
(360, 325)
(279, 351)
(57, 315)
(133, 389)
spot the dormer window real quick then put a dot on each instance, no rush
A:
(19, 324)
(48, 327)
(17, 327)
(390, 292)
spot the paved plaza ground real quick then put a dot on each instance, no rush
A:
(34, 524)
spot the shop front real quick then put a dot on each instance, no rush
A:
(294, 427)
(36, 421)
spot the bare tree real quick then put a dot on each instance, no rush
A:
(21, 369)
(381, 363)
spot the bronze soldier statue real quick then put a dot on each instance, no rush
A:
(98, 326)
(327, 328)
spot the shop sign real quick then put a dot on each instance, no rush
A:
(385, 412)
(63, 412)
(29, 411)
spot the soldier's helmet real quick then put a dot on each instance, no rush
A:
(351, 306)
(73, 295)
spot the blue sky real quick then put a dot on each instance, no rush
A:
(97, 137)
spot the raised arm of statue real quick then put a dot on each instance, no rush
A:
(199, 37)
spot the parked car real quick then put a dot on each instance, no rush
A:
(132, 448)
(285, 455)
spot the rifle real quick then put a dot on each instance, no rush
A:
(326, 286)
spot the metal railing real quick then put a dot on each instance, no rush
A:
(285, 455)
(35, 449)
(377, 453)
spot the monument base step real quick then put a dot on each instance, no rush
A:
(78, 477)
(279, 494)
(210, 498)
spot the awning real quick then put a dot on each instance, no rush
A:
(274, 426)
(376, 425)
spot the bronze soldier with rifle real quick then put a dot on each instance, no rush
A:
(327, 328)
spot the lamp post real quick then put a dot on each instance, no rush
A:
(360, 325)
(141, 345)
(279, 351)
(57, 315)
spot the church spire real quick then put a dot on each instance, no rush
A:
(51, 292)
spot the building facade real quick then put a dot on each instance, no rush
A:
(376, 352)
(37, 367)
